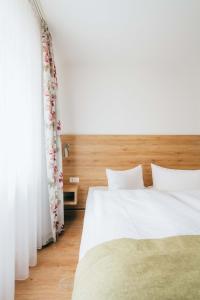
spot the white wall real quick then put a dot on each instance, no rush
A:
(135, 99)
(128, 67)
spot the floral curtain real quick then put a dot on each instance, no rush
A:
(52, 134)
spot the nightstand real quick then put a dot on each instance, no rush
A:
(70, 194)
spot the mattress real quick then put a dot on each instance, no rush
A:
(138, 214)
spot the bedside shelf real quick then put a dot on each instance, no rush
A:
(70, 194)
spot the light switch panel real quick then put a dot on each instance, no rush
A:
(74, 179)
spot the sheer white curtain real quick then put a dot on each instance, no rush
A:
(25, 217)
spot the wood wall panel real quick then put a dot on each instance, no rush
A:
(90, 155)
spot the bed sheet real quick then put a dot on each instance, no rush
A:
(138, 214)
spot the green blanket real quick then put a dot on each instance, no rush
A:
(127, 269)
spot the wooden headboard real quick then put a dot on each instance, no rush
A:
(90, 155)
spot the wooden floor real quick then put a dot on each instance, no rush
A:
(52, 278)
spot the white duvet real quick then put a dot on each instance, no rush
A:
(139, 214)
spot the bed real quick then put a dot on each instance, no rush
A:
(142, 244)
(138, 245)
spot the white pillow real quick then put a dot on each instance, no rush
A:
(175, 180)
(127, 180)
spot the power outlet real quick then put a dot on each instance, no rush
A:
(74, 179)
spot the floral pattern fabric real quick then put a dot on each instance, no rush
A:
(52, 134)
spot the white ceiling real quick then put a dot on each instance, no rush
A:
(124, 31)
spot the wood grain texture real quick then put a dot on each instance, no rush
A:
(90, 155)
(52, 278)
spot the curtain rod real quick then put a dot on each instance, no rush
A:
(38, 8)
